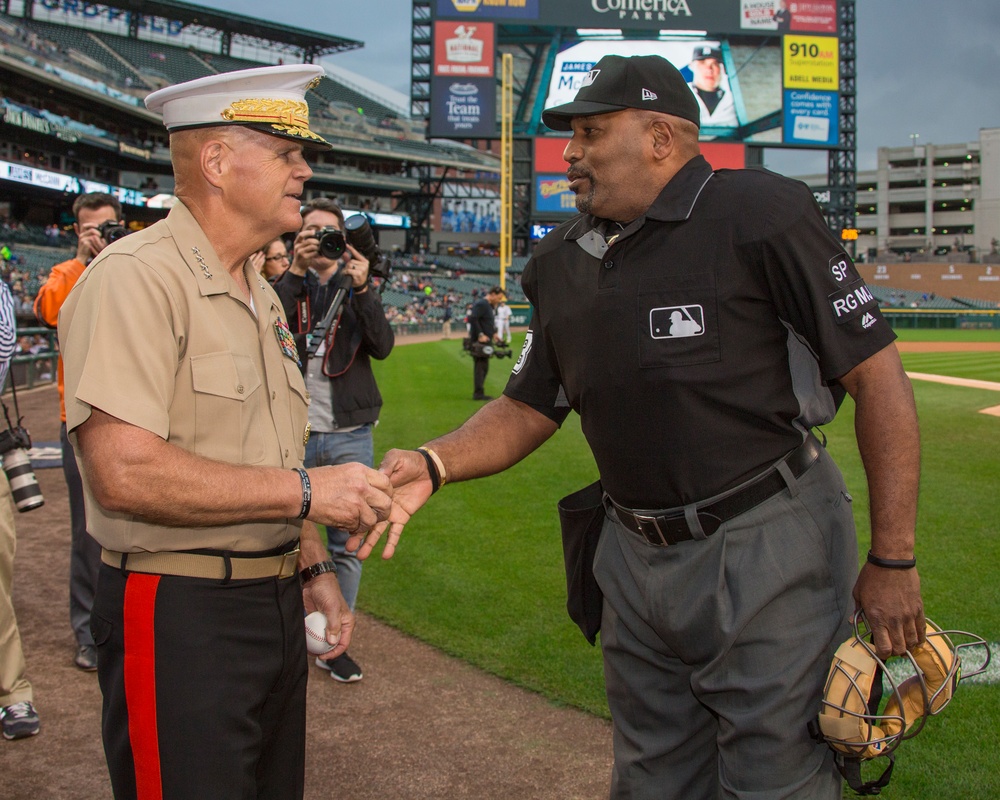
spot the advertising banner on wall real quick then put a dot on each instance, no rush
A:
(463, 108)
(463, 49)
(811, 80)
(552, 194)
(811, 117)
(463, 86)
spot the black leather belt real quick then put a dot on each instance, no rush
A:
(663, 528)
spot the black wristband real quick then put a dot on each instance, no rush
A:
(307, 494)
(892, 563)
(432, 470)
(313, 570)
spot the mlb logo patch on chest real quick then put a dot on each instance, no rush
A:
(676, 322)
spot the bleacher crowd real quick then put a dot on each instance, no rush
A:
(423, 292)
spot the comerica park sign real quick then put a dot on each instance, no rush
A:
(646, 10)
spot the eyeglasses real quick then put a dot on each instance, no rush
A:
(282, 257)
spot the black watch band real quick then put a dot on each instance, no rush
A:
(313, 570)
(892, 563)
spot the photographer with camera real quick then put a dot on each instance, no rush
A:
(98, 223)
(18, 718)
(344, 397)
(482, 331)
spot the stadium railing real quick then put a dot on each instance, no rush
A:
(27, 370)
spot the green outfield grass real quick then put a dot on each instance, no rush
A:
(947, 335)
(980, 366)
(479, 571)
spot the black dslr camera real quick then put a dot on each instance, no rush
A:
(111, 230)
(14, 445)
(359, 234)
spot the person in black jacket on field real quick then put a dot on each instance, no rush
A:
(344, 397)
(482, 330)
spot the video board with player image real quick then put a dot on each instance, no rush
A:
(764, 71)
(738, 87)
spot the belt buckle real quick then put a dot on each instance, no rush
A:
(644, 519)
(289, 562)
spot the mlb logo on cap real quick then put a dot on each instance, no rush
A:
(269, 99)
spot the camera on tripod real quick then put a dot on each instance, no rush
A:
(14, 445)
(359, 234)
(111, 230)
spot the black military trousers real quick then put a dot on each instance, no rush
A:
(204, 686)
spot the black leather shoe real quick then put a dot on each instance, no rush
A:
(482, 397)
(86, 657)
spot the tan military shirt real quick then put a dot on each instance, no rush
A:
(158, 334)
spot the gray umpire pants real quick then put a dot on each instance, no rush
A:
(716, 651)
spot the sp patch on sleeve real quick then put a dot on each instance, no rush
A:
(851, 301)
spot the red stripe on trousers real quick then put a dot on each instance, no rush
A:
(140, 683)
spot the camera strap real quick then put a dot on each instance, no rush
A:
(13, 394)
(329, 370)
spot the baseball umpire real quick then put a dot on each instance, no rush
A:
(701, 323)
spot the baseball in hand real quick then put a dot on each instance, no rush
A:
(316, 642)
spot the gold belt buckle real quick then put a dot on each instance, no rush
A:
(289, 561)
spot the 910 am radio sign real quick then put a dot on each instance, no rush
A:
(812, 62)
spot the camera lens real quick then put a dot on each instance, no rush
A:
(111, 231)
(331, 243)
(23, 483)
(361, 236)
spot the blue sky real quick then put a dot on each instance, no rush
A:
(924, 66)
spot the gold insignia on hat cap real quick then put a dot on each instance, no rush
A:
(268, 99)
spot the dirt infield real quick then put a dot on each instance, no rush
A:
(420, 725)
(948, 347)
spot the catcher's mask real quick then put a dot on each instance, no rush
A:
(850, 719)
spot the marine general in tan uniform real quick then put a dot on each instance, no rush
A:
(188, 412)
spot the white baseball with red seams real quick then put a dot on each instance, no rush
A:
(316, 642)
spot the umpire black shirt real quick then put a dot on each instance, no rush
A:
(699, 342)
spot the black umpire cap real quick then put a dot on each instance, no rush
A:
(619, 82)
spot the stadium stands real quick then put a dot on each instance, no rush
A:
(908, 298)
(160, 64)
(329, 91)
(454, 279)
(972, 302)
(74, 43)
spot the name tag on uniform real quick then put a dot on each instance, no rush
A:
(286, 341)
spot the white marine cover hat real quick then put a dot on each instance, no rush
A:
(268, 99)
